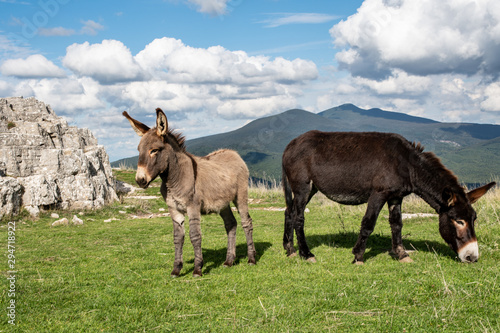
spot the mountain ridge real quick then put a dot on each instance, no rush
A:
(466, 148)
(376, 112)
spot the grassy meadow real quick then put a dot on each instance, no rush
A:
(115, 276)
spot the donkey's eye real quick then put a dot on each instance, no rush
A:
(460, 222)
(153, 152)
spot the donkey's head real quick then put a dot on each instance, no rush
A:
(456, 221)
(156, 148)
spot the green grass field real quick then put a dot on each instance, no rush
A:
(115, 276)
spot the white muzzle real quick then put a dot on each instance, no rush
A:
(469, 253)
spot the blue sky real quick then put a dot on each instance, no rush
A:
(215, 65)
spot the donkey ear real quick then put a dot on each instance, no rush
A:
(474, 195)
(138, 127)
(161, 123)
(449, 197)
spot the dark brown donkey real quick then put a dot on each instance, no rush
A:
(194, 185)
(375, 168)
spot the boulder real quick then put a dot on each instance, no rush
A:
(10, 196)
(63, 221)
(76, 220)
(57, 165)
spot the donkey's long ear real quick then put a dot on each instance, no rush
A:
(161, 123)
(138, 127)
(474, 195)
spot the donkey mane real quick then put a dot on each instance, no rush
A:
(418, 146)
(179, 140)
(217, 152)
(435, 166)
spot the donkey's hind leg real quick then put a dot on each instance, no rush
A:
(230, 224)
(302, 196)
(288, 233)
(241, 203)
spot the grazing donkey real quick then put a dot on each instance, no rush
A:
(355, 168)
(194, 185)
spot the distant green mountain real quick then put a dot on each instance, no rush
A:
(477, 163)
(129, 162)
(472, 151)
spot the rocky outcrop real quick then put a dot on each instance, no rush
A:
(57, 166)
(10, 196)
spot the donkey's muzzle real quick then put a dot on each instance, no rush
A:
(143, 183)
(142, 178)
(469, 252)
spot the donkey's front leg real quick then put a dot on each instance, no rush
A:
(396, 223)
(375, 204)
(195, 236)
(178, 221)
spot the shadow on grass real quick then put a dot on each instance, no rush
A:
(377, 244)
(215, 258)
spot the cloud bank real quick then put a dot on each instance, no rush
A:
(420, 38)
(95, 82)
(168, 74)
(437, 59)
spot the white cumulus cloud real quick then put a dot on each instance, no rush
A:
(69, 96)
(398, 83)
(420, 37)
(172, 60)
(107, 62)
(34, 66)
(492, 100)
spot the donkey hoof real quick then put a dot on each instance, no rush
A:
(406, 260)
(358, 262)
(311, 260)
(197, 273)
(251, 262)
(292, 255)
(228, 264)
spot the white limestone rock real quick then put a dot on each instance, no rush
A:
(10, 196)
(57, 166)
